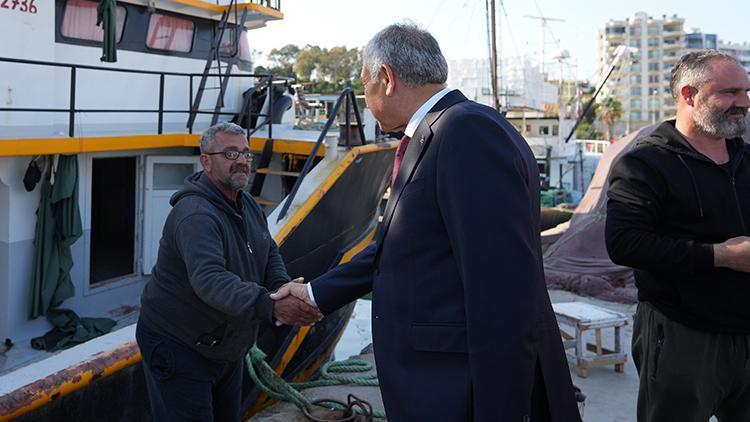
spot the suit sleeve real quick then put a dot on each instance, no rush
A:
(345, 283)
(486, 205)
(635, 197)
(203, 253)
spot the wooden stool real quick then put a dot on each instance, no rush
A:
(582, 317)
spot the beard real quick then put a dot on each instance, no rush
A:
(239, 175)
(720, 124)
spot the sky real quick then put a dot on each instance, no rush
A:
(460, 26)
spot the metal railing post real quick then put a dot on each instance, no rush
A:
(347, 121)
(360, 126)
(270, 107)
(161, 104)
(190, 104)
(72, 111)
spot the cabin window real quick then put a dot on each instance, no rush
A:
(170, 33)
(243, 48)
(544, 130)
(79, 21)
(226, 42)
(242, 52)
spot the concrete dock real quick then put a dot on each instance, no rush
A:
(610, 396)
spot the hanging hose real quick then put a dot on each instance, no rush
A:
(277, 388)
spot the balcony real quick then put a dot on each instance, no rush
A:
(671, 32)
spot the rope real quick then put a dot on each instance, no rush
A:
(277, 388)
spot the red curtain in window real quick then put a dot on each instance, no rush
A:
(169, 33)
(79, 21)
(244, 47)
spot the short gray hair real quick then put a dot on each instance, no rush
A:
(693, 69)
(412, 53)
(209, 135)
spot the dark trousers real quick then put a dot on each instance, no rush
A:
(689, 375)
(183, 385)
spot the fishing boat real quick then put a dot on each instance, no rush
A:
(132, 128)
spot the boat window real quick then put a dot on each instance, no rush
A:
(79, 21)
(170, 33)
(243, 48)
(226, 42)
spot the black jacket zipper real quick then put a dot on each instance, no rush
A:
(739, 208)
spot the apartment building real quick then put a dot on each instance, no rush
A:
(740, 51)
(520, 83)
(642, 86)
(697, 40)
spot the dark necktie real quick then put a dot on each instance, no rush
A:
(399, 156)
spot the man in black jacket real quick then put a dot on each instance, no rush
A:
(201, 311)
(679, 214)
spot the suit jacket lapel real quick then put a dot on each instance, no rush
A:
(414, 153)
(415, 150)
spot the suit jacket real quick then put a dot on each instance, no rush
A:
(463, 328)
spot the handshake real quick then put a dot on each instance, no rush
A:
(293, 306)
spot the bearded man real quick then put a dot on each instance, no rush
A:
(679, 214)
(209, 294)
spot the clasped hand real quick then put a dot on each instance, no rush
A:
(293, 306)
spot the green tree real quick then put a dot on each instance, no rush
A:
(281, 61)
(587, 128)
(330, 70)
(308, 61)
(609, 112)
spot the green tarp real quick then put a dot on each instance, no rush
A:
(107, 18)
(58, 226)
(70, 330)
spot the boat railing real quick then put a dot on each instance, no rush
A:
(350, 100)
(72, 110)
(272, 4)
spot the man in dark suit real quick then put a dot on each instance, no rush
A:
(462, 323)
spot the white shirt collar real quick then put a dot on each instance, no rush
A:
(422, 111)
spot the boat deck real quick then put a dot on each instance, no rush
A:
(22, 354)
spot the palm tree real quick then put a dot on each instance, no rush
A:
(609, 112)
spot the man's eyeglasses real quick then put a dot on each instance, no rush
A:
(233, 155)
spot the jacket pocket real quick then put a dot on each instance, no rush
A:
(437, 337)
(212, 339)
(657, 349)
(161, 361)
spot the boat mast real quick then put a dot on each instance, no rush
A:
(493, 56)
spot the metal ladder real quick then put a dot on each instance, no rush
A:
(215, 55)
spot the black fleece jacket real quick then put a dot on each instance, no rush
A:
(215, 267)
(667, 205)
